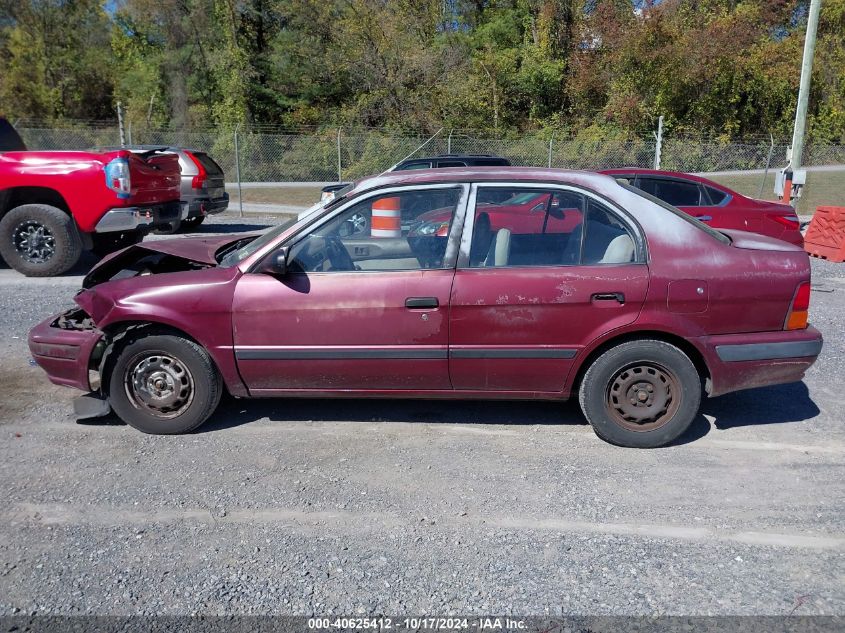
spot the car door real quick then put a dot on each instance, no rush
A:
(524, 305)
(355, 311)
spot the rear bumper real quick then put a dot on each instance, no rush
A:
(63, 354)
(200, 207)
(140, 218)
(746, 361)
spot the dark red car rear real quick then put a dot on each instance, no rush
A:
(714, 204)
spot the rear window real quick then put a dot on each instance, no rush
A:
(211, 167)
(688, 218)
(10, 140)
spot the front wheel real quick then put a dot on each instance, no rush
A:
(641, 394)
(163, 384)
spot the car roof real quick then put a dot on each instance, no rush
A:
(526, 175)
(642, 171)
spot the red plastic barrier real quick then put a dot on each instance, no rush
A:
(825, 236)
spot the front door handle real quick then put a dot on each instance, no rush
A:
(421, 302)
(704, 218)
(609, 296)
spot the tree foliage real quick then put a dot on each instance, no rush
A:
(717, 67)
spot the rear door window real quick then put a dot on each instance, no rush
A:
(451, 163)
(676, 192)
(526, 227)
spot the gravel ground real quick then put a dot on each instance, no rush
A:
(315, 507)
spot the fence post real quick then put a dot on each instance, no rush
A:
(129, 132)
(659, 145)
(339, 171)
(768, 162)
(449, 143)
(120, 125)
(551, 138)
(238, 174)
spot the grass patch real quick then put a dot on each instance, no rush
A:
(822, 188)
(300, 196)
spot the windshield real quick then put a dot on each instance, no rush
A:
(244, 249)
(233, 257)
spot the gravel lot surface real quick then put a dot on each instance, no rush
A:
(315, 507)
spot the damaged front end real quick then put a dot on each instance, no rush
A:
(140, 261)
(69, 348)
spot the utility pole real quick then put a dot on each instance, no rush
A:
(804, 88)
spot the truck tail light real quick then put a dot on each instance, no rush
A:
(789, 221)
(118, 178)
(198, 181)
(797, 317)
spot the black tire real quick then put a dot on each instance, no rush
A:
(189, 224)
(641, 394)
(107, 243)
(189, 384)
(39, 240)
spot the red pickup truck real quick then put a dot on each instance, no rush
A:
(55, 204)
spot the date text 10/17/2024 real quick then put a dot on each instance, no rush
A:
(416, 624)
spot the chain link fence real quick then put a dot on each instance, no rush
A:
(337, 155)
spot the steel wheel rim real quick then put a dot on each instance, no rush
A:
(34, 242)
(159, 384)
(643, 396)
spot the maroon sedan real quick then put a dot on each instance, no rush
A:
(628, 303)
(713, 204)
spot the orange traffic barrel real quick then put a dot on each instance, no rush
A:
(387, 218)
(825, 236)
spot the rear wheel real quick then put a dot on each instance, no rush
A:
(39, 240)
(163, 384)
(641, 394)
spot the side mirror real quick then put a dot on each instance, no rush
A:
(277, 263)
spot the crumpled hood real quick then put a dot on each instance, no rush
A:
(170, 255)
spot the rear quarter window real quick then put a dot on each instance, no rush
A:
(687, 218)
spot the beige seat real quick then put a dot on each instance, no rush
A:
(500, 248)
(619, 251)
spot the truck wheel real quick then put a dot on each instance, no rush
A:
(39, 240)
(163, 384)
(641, 394)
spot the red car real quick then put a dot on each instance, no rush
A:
(713, 204)
(636, 308)
(55, 204)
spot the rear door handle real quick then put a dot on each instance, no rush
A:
(421, 302)
(609, 296)
(704, 218)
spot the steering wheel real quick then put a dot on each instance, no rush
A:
(339, 257)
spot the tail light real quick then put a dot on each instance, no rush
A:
(118, 178)
(198, 181)
(789, 221)
(797, 317)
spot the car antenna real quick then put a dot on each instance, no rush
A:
(414, 152)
